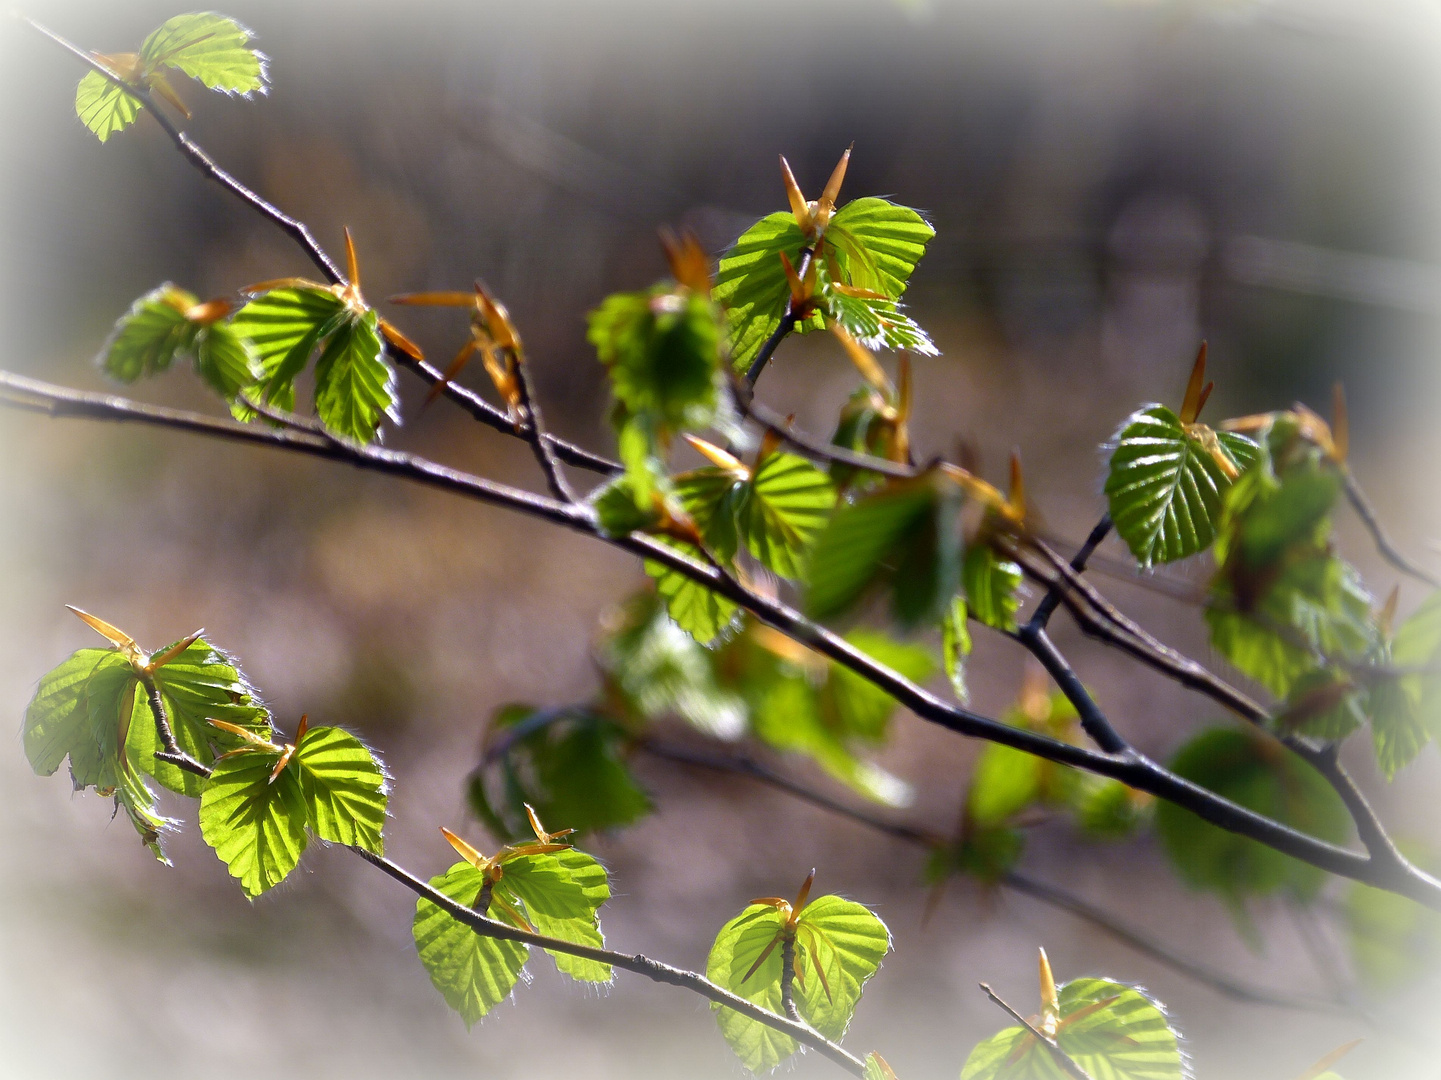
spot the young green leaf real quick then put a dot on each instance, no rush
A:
(992, 584)
(103, 107)
(1107, 1028)
(1244, 768)
(839, 945)
(354, 386)
(662, 349)
(787, 503)
(906, 534)
(560, 893)
(877, 1069)
(198, 684)
(956, 646)
(881, 242)
(1166, 483)
(58, 719)
(701, 612)
(255, 817)
(285, 326)
(343, 787)
(569, 766)
(751, 284)
(148, 337)
(473, 973)
(210, 48)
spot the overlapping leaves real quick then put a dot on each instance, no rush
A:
(94, 710)
(1107, 1028)
(212, 49)
(263, 802)
(167, 324)
(544, 887)
(838, 946)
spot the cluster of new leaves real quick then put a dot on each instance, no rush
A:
(253, 356)
(816, 265)
(819, 953)
(259, 802)
(1106, 1028)
(541, 886)
(212, 49)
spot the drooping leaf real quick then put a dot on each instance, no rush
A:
(472, 972)
(561, 893)
(1107, 1028)
(992, 584)
(1257, 774)
(226, 360)
(285, 326)
(148, 337)
(253, 818)
(1166, 483)
(662, 350)
(784, 507)
(57, 720)
(737, 949)
(956, 646)
(569, 769)
(906, 535)
(701, 612)
(343, 787)
(354, 386)
(210, 48)
(660, 670)
(103, 107)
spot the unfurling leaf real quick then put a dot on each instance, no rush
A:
(261, 799)
(1107, 1028)
(1166, 483)
(211, 48)
(839, 945)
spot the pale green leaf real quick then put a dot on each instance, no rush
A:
(882, 243)
(956, 646)
(473, 973)
(992, 584)
(210, 48)
(354, 386)
(57, 720)
(737, 947)
(785, 505)
(285, 326)
(343, 786)
(561, 893)
(845, 940)
(255, 825)
(103, 107)
(148, 337)
(751, 284)
(225, 360)
(701, 612)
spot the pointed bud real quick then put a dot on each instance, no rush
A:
(1196, 389)
(1340, 424)
(716, 456)
(466, 852)
(1050, 1003)
(799, 208)
(352, 264)
(689, 264)
(826, 204)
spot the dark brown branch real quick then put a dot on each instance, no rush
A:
(788, 977)
(635, 963)
(1063, 1059)
(818, 450)
(1052, 599)
(787, 324)
(535, 435)
(1134, 769)
(1389, 551)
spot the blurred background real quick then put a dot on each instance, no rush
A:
(1110, 183)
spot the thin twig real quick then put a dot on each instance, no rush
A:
(818, 450)
(1389, 551)
(170, 749)
(635, 963)
(788, 323)
(1049, 602)
(536, 436)
(1063, 1059)
(1135, 770)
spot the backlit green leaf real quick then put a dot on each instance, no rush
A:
(148, 337)
(785, 505)
(992, 584)
(343, 786)
(354, 386)
(1165, 485)
(103, 107)
(560, 893)
(905, 535)
(882, 243)
(210, 48)
(226, 360)
(285, 326)
(701, 612)
(255, 824)
(751, 284)
(472, 972)
(1125, 1035)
